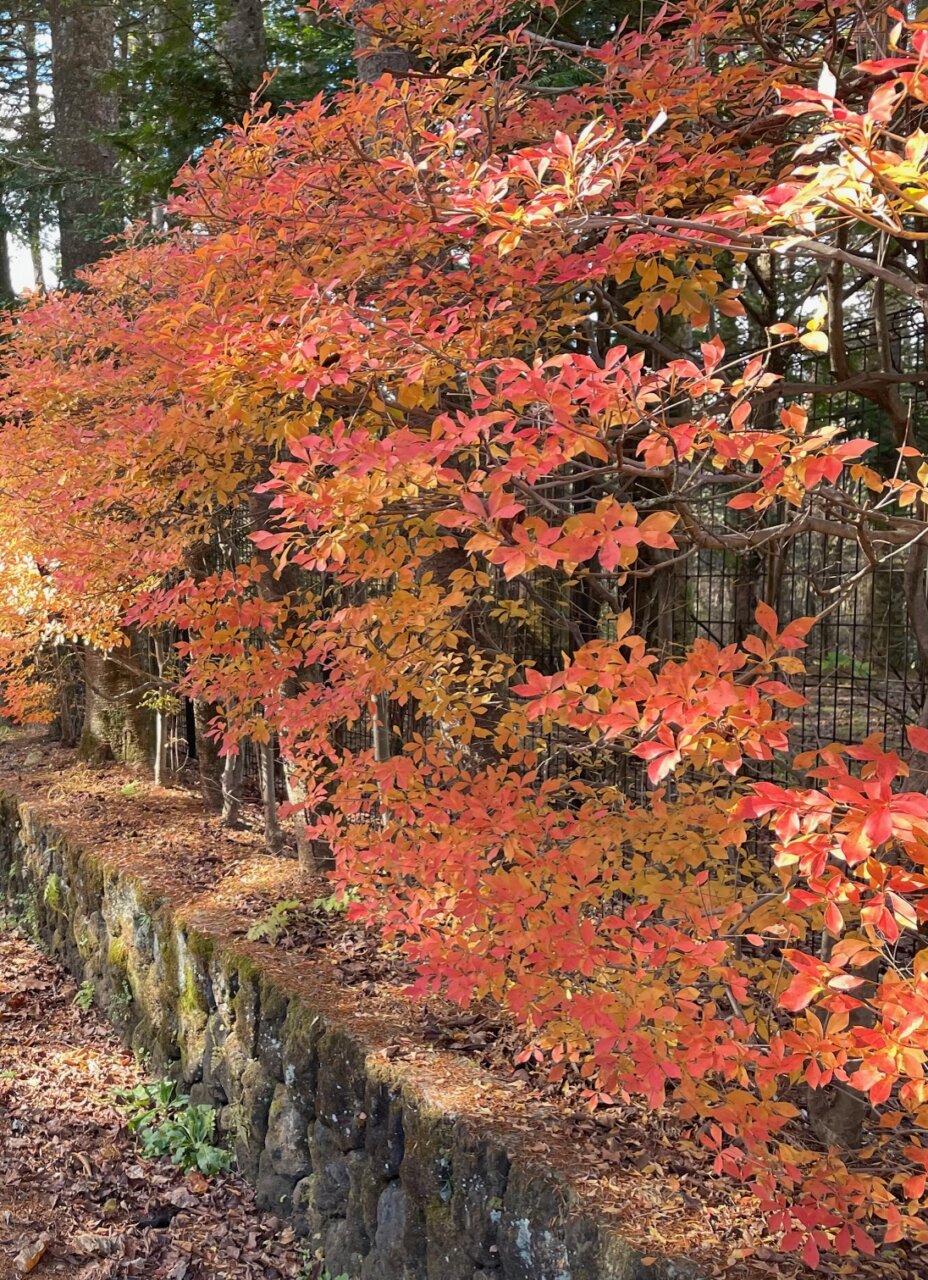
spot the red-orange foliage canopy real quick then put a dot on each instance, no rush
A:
(382, 319)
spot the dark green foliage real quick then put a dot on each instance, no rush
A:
(167, 1125)
(173, 84)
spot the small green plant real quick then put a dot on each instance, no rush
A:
(186, 1137)
(142, 1059)
(336, 904)
(85, 994)
(129, 790)
(147, 1104)
(123, 998)
(25, 909)
(312, 1268)
(167, 1125)
(161, 700)
(845, 664)
(270, 927)
(53, 893)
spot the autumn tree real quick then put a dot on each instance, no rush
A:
(470, 349)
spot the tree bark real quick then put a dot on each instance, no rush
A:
(273, 832)
(276, 588)
(6, 280)
(86, 115)
(837, 1112)
(34, 139)
(209, 761)
(116, 725)
(374, 54)
(201, 560)
(243, 49)
(232, 772)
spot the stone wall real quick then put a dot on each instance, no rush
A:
(374, 1167)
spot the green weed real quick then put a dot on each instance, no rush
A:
(85, 994)
(167, 1125)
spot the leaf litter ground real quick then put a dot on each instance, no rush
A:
(65, 1152)
(73, 1188)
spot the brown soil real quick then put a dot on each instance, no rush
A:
(631, 1165)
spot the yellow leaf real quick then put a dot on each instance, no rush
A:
(814, 341)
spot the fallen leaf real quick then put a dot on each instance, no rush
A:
(30, 1255)
(197, 1183)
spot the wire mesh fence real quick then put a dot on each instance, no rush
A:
(862, 673)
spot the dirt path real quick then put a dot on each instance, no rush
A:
(73, 1187)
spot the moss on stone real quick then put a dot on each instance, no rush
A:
(84, 939)
(167, 963)
(199, 945)
(388, 1147)
(117, 955)
(248, 970)
(190, 1001)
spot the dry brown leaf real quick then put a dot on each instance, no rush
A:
(30, 1255)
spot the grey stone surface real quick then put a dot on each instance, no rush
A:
(399, 1241)
(286, 1145)
(341, 1088)
(480, 1174)
(253, 1106)
(385, 1137)
(273, 1193)
(330, 1169)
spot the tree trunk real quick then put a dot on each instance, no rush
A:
(380, 728)
(34, 139)
(243, 49)
(7, 293)
(116, 725)
(837, 1112)
(209, 761)
(201, 560)
(86, 115)
(276, 588)
(160, 716)
(273, 832)
(232, 772)
(374, 54)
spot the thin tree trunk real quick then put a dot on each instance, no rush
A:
(209, 761)
(159, 747)
(34, 141)
(273, 832)
(380, 727)
(200, 561)
(314, 855)
(159, 714)
(275, 588)
(374, 54)
(6, 280)
(837, 1112)
(232, 773)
